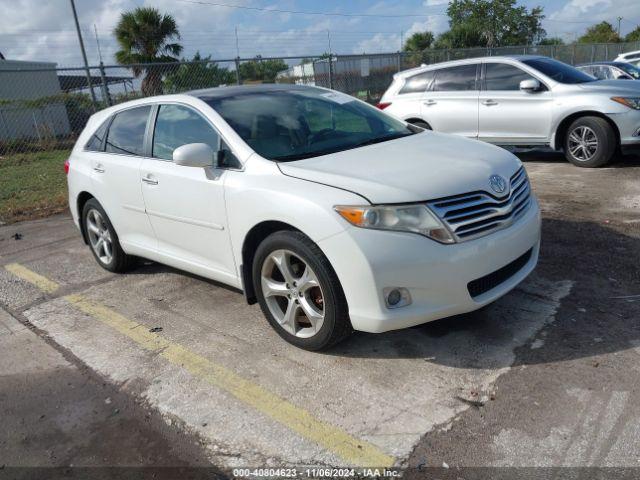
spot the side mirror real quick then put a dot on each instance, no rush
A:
(530, 85)
(194, 155)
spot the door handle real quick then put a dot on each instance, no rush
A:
(99, 168)
(430, 102)
(489, 102)
(149, 180)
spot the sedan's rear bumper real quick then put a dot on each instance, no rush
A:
(437, 276)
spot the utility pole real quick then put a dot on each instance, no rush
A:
(95, 30)
(619, 20)
(84, 54)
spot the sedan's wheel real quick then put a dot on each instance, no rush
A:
(103, 239)
(590, 142)
(299, 292)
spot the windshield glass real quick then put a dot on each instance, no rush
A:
(558, 71)
(629, 69)
(292, 124)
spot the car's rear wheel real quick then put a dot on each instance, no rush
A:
(590, 142)
(299, 291)
(103, 239)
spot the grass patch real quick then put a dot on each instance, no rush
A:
(32, 185)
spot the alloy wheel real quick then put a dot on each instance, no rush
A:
(293, 294)
(99, 236)
(583, 143)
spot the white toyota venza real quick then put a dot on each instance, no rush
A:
(331, 214)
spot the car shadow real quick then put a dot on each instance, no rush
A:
(593, 318)
(546, 155)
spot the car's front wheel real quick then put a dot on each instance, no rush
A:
(103, 239)
(299, 292)
(590, 142)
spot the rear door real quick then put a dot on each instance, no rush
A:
(508, 114)
(451, 104)
(186, 205)
(115, 164)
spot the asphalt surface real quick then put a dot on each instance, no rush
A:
(158, 367)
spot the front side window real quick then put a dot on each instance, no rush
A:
(558, 71)
(126, 133)
(459, 78)
(631, 70)
(417, 83)
(500, 76)
(292, 124)
(96, 142)
(177, 125)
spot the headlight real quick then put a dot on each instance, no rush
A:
(400, 218)
(631, 102)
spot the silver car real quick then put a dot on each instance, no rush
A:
(611, 70)
(521, 101)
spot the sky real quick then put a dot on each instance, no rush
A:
(44, 30)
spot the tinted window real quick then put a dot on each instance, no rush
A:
(455, 78)
(95, 143)
(500, 76)
(294, 123)
(560, 72)
(630, 70)
(176, 126)
(126, 134)
(417, 83)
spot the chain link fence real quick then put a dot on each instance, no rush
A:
(43, 108)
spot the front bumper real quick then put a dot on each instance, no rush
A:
(436, 275)
(628, 124)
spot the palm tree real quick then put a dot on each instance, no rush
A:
(145, 36)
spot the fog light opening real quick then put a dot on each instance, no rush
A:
(395, 297)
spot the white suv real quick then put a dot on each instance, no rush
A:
(331, 214)
(524, 101)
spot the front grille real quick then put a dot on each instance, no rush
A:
(484, 284)
(472, 215)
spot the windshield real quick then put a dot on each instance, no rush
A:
(629, 69)
(558, 71)
(291, 124)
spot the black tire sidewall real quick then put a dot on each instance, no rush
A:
(606, 142)
(424, 125)
(333, 296)
(117, 252)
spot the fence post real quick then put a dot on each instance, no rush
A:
(331, 70)
(399, 60)
(606, 51)
(238, 81)
(106, 96)
(593, 53)
(573, 54)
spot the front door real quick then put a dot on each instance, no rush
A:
(510, 115)
(451, 104)
(186, 205)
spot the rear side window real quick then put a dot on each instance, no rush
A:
(417, 83)
(456, 79)
(96, 142)
(500, 76)
(176, 126)
(126, 133)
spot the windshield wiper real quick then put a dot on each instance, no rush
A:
(371, 141)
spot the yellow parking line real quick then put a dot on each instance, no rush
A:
(332, 438)
(43, 283)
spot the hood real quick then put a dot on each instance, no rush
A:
(419, 167)
(614, 87)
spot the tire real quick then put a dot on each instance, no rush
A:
(590, 142)
(93, 215)
(424, 125)
(324, 297)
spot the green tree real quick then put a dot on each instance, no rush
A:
(633, 35)
(147, 36)
(602, 32)
(499, 22)
(418, 42)
(551, 41)
(460, 36)
(199, 72)
(261, 70)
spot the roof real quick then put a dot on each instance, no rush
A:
(464, 61)
(218, 92)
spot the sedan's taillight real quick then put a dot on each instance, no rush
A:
(66, 166)
(383, 105)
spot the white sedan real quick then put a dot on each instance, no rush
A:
(331, 214)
